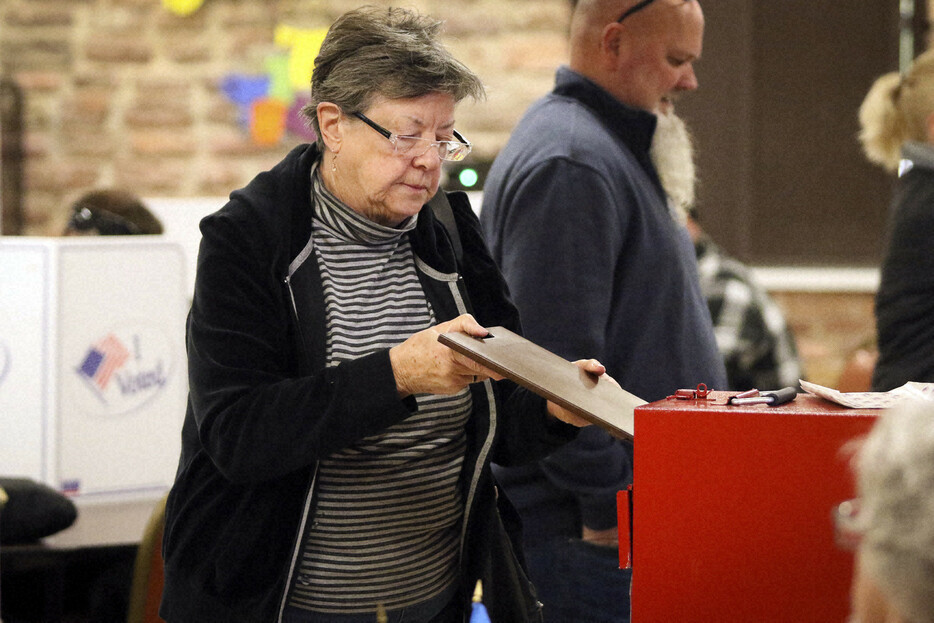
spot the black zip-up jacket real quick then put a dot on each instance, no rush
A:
(263, 407)
(905, 300)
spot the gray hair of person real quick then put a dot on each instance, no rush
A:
(894, 468)
(393, 53)
(672, 153)
(895, 110)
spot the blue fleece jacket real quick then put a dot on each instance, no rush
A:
(575, 215)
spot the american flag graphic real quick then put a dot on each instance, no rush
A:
(102, 360)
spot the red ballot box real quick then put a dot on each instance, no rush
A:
(731, 510)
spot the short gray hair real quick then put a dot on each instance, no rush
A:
(895, 484)
(390, 52)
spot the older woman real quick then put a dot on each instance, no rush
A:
(893, 519)
(335, 456)
(897, 119)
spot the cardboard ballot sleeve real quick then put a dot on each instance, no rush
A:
(596, 399)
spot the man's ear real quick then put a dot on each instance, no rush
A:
(611, 44)
(610, 38)
(329, 121)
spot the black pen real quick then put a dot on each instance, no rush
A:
(773, 399)
(749, 393)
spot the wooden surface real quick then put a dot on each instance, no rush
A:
(106, 522)
(597, 400)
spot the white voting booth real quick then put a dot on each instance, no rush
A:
(180, 217)
(93, 370)
(93, 374)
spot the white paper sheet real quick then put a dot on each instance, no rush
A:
(872, 400)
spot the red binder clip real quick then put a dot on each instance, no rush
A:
(700, 393)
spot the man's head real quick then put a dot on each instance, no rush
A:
(111, 212)
(641, 52)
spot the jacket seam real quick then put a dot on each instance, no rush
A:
(309, 494)
(299, 543)
(452, 280)
(478, 465)
(442, 276)
(303, 255)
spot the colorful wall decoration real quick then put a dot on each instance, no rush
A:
(270, 104)
(182, 7)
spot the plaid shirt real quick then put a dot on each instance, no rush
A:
(757, 346)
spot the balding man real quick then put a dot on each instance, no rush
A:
(599, 265)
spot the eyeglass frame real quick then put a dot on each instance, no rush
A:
(635, 9)
(392, 137)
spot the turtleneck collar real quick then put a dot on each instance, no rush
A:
(633, 126)
(344, 222)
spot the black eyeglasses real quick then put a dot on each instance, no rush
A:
(636, 8)
(415, 146)
(106, 223)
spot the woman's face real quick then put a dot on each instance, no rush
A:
(384, 186)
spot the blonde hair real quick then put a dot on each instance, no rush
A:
(895, 110)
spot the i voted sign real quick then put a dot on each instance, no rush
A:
(124, 369)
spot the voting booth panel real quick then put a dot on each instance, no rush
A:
(93, 376)
(181, 217)
(731, 510)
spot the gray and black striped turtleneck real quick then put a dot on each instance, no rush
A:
(386, 525)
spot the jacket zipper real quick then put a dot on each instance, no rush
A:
(452, 280)
(296, 551)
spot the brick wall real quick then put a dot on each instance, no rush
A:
(829, 327)
(127, 93)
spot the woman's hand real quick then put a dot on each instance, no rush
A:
(423, 365)
(589, 365)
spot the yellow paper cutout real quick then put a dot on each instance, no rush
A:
(182, 7)
(304, 45)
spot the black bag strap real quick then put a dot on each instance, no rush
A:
(441, 208)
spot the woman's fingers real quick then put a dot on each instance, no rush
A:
(422, 365)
